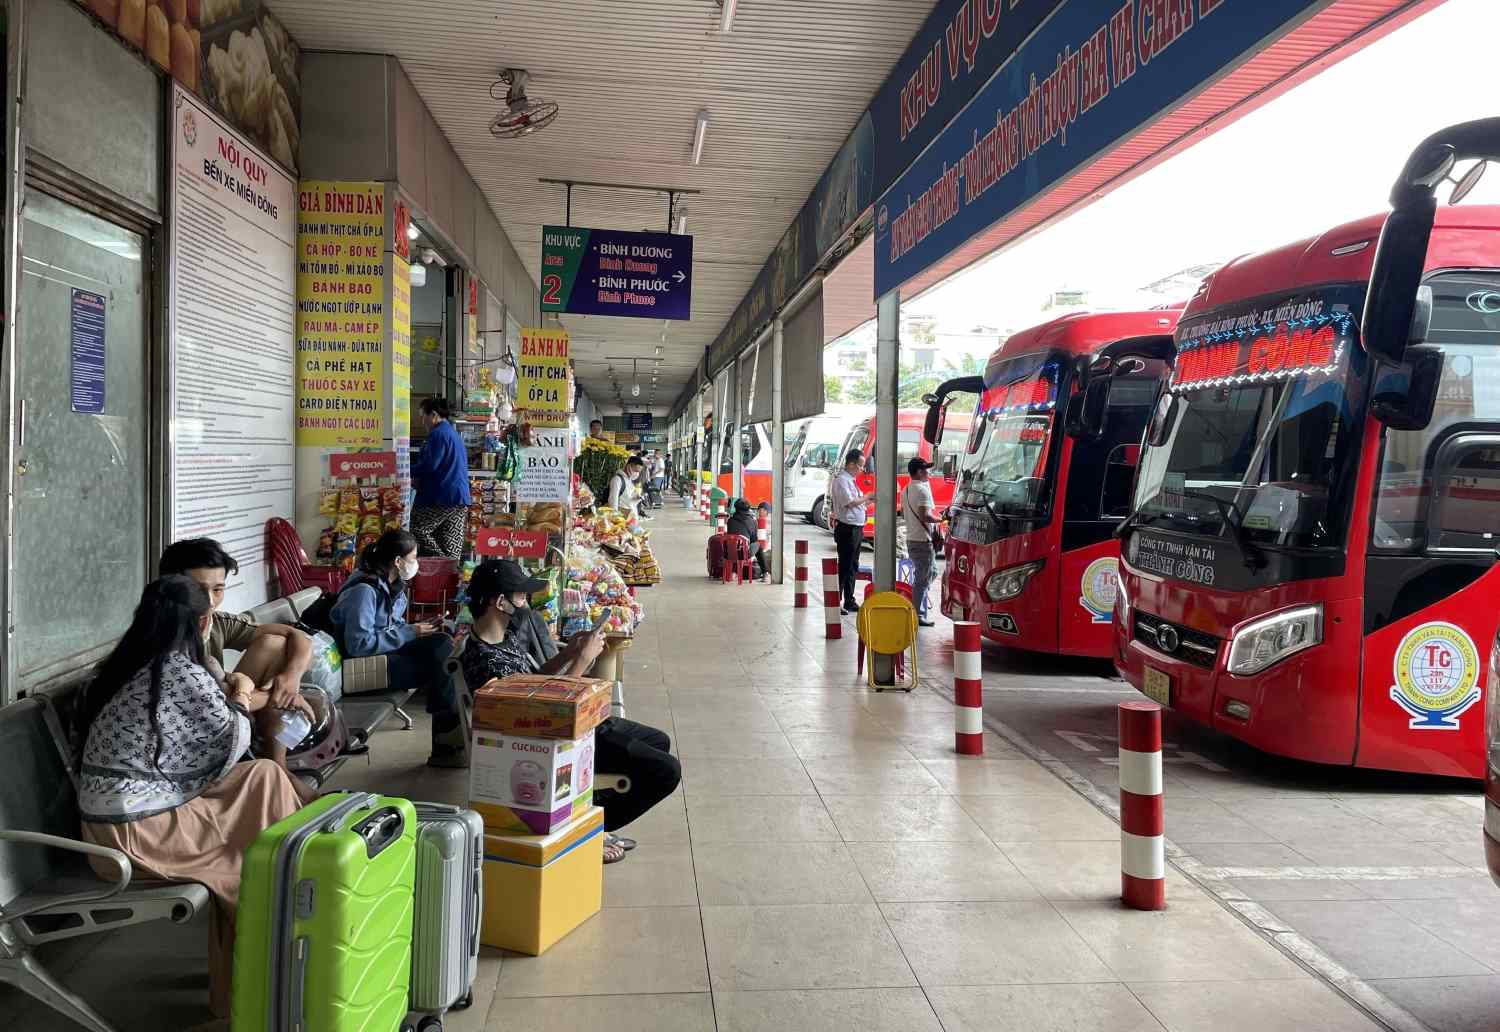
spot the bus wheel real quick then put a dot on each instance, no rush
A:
(815, 517)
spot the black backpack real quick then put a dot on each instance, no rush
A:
(319, 616)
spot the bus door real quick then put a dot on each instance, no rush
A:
(1432, 586)
(1097, 496)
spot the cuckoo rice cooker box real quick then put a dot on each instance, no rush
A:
(529, 786)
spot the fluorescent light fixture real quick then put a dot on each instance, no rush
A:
(681, 224)
(726, 14)
(700, 130)
(412, 232)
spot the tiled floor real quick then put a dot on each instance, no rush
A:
(829, 864)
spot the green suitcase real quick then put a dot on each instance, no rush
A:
(323, 932)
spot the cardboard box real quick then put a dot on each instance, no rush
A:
(539, 888)
(529, 786)
(542, 706)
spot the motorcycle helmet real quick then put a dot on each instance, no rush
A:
(325, 740)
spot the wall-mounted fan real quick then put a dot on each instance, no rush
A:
(523, 116)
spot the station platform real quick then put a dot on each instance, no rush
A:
(828, 863)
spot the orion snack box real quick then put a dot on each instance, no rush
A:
(529, 786)
(543, 705)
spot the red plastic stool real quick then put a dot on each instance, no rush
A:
(905, 590)
(738, 562)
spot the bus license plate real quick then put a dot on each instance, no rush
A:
(1158, 687)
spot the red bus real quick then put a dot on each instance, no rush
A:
(1032, 557)
(1309, 565)
(910, 444)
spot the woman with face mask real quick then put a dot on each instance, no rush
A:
(369, 620)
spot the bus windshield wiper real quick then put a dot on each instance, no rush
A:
(1254, 558)
(1140, 518)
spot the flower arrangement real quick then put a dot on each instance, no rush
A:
(598, 461)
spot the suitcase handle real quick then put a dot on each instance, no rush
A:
(380, 829)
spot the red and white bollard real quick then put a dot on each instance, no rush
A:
(799, 598)
(968, 691)
(722, 525)
(1143, 862)
(833, 618)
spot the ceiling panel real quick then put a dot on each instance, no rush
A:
(782, 91)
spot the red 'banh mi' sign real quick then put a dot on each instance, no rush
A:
(362, 464)
(507, 543)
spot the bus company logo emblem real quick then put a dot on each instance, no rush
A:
(189, 127)
(1167, 638)
(963, 564)
(882, 219)
(1101, 580)
(1437, 676)
(1485, 302)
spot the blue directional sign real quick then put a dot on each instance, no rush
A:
(609, 272)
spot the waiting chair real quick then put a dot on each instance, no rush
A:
(739, 562)
(48, 891)
(290, 563)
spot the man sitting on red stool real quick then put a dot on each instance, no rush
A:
(744, 523)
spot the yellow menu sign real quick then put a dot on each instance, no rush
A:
(544, 381)
(400, 350)
(341, 318)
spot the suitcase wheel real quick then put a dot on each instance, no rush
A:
(431, 1025)
(466, 1002)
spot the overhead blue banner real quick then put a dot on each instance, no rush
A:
(1093, 75)
(953, 54)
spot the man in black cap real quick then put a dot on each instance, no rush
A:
(917, 508)
(508, 638)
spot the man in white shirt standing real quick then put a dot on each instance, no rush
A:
(916, 507)
(848, 513)
(624, 494)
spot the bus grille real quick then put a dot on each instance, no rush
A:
(1191, 646)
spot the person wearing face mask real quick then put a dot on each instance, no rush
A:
(368, 620)
(158, 773)
(508, 638)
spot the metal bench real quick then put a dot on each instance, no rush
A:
(48, 891)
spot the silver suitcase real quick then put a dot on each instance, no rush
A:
(449, 904)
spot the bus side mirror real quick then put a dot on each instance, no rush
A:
(1086, 417)
(937, 415)
(1161, 419)
(1406, 396)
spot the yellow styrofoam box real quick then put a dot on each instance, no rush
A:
(538, 888)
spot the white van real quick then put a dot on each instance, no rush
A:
(812, 453)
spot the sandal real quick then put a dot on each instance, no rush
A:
(624, 843)
(613, 852)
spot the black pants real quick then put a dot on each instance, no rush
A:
(640, 753)
(849, 538)
(422, 664)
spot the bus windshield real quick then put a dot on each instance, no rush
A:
(1005, 468)
(1260, 428)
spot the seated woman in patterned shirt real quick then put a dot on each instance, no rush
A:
(508, 638)
(159, 775)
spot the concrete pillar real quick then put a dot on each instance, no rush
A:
(736, 420)
(887, 388)
(778, 461)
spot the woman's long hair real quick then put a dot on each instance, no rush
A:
(379, 558)
(167, 620)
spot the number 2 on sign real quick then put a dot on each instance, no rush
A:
(551, 289)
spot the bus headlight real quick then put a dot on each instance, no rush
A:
(1273, 639)
(1007, 584)
(1122, 604)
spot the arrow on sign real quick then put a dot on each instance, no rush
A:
(680, 276)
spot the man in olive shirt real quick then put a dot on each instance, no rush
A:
(275, 656)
